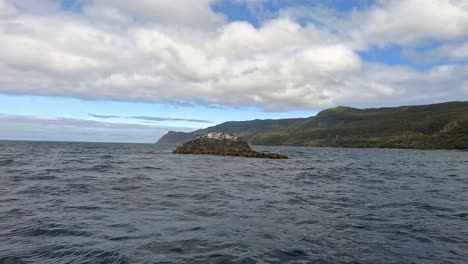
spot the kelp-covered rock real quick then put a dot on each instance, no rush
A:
(223, 144)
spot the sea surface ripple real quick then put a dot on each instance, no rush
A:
(130, 203)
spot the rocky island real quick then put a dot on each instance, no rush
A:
(223, 144)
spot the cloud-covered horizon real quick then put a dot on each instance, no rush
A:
(53, 128)
(297, 57)
(151, 118)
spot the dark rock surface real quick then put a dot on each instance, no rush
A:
(223, 144)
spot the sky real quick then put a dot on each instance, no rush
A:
(131, 70)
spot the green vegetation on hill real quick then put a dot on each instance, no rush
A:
(249, 129)
(438, 126)
(245, 129)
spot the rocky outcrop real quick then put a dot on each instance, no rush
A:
(223, 144)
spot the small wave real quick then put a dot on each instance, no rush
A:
(99, 168)
(42, 177)
(53, 170)
(56, 232)
(75, 254)
(119, 237)
(48, 231)
(73, 161)
(79, 187)
(122, 238)
(462, 215)
(200, 247)
(149, 168)
(433, 208)
(14, 214)
(283, 256)
(127, 188)
(205, 212)
(447, 239)
(6, 162)
(176, 195)
(11, 260)
(84, 207)
(193, 229)
(38, 189)
(15, 171)
(308, 222)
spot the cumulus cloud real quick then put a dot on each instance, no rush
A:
(403, 85)
(453, 51)
(6, 9)
(194, 14)
(69, 129)
(458, 52)
(408, 22)
(388, 22)
(182, 52)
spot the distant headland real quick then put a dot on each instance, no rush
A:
(436, 126)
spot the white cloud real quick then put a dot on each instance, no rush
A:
(162, 51)
(408, 22)
(194, 14)
(264, 67)
(6, 9)
(455, 51)
(42, 7)
(250, 1)
(16, 127)
(402, 22)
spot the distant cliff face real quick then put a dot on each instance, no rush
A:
(438, 126)
(223, 144)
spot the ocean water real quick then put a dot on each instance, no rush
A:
(129, 203)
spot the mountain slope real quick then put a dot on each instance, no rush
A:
(245, 129)
(437, 126)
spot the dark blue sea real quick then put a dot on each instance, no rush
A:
(130, 203)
